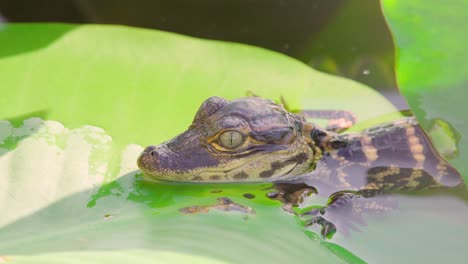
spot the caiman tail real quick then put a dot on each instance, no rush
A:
(397, 156)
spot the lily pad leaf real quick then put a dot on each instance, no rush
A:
(72, 186)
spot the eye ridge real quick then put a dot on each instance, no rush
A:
(231, 139)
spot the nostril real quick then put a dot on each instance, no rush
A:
(149, 149)
(154, 153)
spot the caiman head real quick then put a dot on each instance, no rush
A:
(243, 140)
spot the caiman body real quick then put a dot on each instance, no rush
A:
(256, 140)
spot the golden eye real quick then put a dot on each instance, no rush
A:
(231, 139)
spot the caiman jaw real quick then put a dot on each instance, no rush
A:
(245, 140)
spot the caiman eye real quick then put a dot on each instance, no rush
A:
(231, 139)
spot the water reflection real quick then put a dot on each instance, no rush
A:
(356, 171)
(358, 181)
(390, 223)
(130, 212)
(424, 229)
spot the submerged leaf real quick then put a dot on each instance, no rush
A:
(70, 187)
(432, 63)
(56, 197)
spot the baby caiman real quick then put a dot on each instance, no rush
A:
(256, 140)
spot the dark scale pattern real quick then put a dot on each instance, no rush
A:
(353, 151)
(397, 153)
(241, 175)
(400, 148)
(298, 159)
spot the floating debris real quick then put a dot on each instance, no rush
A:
(248, 195)
(224, 204)
(108, 217)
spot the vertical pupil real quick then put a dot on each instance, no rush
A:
(230, 139)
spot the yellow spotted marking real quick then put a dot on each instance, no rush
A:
(371, 186)
(410, 131)
(442, 167)
(369, 150)
(341, 159)
(340, 123)
(412, 184)
(342, 178)
(413, 140)
(366, 140)
(442, 171)
(389, 172)
(419, 157)
(416, 148)
(416, 174)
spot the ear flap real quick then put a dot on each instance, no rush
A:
(208, 107)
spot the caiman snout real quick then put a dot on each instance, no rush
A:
(148, 158)
(150, 150)
(158, 159)
(176, 159)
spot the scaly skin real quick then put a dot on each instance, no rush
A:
(280, 146)
(263, 142)
(277, 145)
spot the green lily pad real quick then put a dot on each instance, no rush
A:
(431, 69)
(53, 203)
(70, 187)
(432, 65)
(144, 86)
(70, 190)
